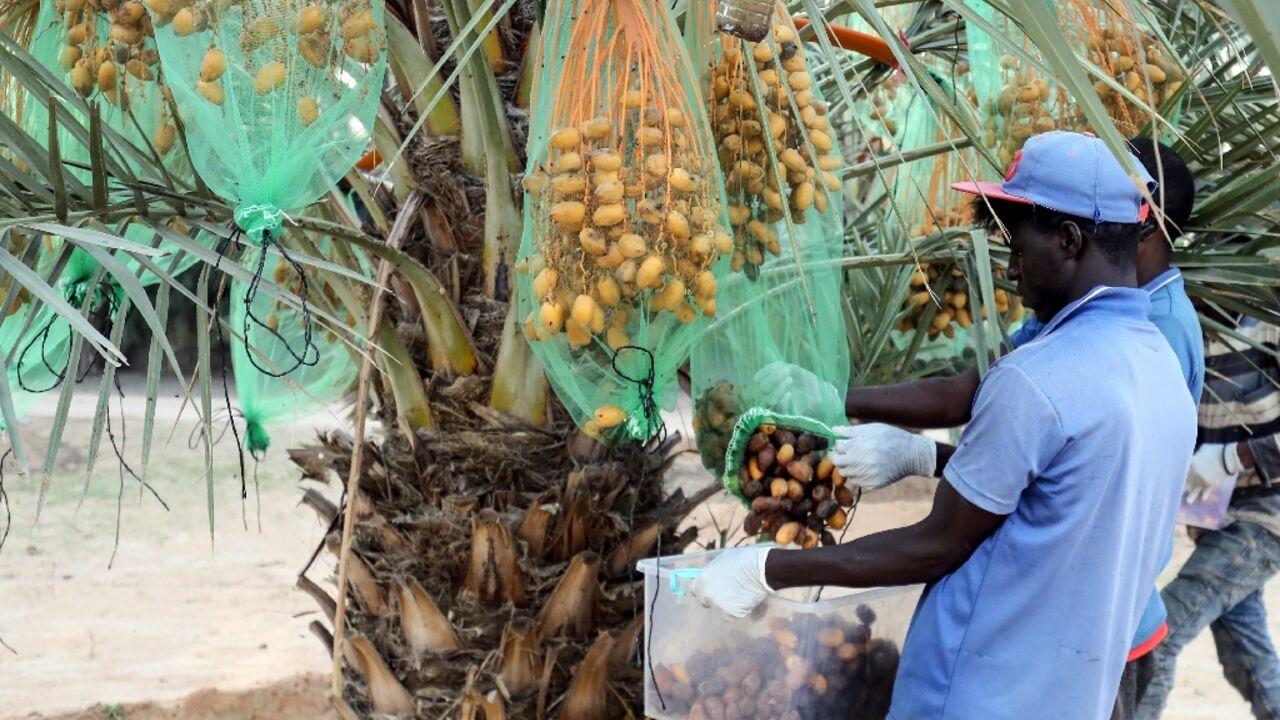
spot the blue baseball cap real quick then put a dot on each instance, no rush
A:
(1073, 173)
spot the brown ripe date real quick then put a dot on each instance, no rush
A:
(805, 444)
(766, 505)
(757, 443)
(787, 533)
(765, 458)
(844, 496)
(800, 470)
(778, 487)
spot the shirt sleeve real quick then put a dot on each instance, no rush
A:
(1025, 333)
(1174, 332)
(1013, 437)
(1266, 456)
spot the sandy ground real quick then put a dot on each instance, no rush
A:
(180, 627)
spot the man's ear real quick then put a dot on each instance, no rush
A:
(1070, 240)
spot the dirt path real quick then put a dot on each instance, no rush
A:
(296, 698)
(182, 629)
(176, 612)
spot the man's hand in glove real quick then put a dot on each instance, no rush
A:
(875, 455)
(792, 390)
(1210, 465)
(734, 582)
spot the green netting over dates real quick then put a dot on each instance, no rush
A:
(277, 97)
(278, 100)
(780, 317)
(624, 219)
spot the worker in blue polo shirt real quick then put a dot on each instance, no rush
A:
(1050, 522)
(869, 453)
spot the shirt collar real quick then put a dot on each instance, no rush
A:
(1168, 277)
(1130, 303)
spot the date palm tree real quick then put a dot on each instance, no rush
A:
(489, 567)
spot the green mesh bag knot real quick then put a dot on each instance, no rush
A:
(256, 439)
(624, 228)
(259, 220)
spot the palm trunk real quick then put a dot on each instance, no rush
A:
(491, 572)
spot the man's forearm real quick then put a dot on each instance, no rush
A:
(945, 451)
(894, 557)
(923, 552)
(932, 403)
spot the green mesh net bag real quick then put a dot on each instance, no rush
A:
(37, 341)
(110, 59)
(624, 233)
(36, 344)
(769, 379)
(1017, 102)
(268, 399)
(278, 100)
(773, 138)
(781, 304)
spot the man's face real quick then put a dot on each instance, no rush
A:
(1037, 268)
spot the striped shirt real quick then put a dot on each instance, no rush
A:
(1241, 404)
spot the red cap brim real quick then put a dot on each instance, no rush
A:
(989, 189)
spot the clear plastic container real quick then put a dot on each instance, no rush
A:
(748, 19)
(805, 654)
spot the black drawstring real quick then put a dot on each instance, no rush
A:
(75, 295)
(95, 315)
(653, 609)
(58, 374)
(310, 356)
(222, 349)
(4, 499)
(653, 425)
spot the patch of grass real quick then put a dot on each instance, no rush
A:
(113, 712)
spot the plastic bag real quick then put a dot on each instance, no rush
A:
(624, 233)
(266, 399)
(278, 100)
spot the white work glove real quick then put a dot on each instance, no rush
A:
(734, 582)
(1210, 465)
(792, 390)
(875, 455)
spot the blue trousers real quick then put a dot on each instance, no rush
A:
(1220, 587)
